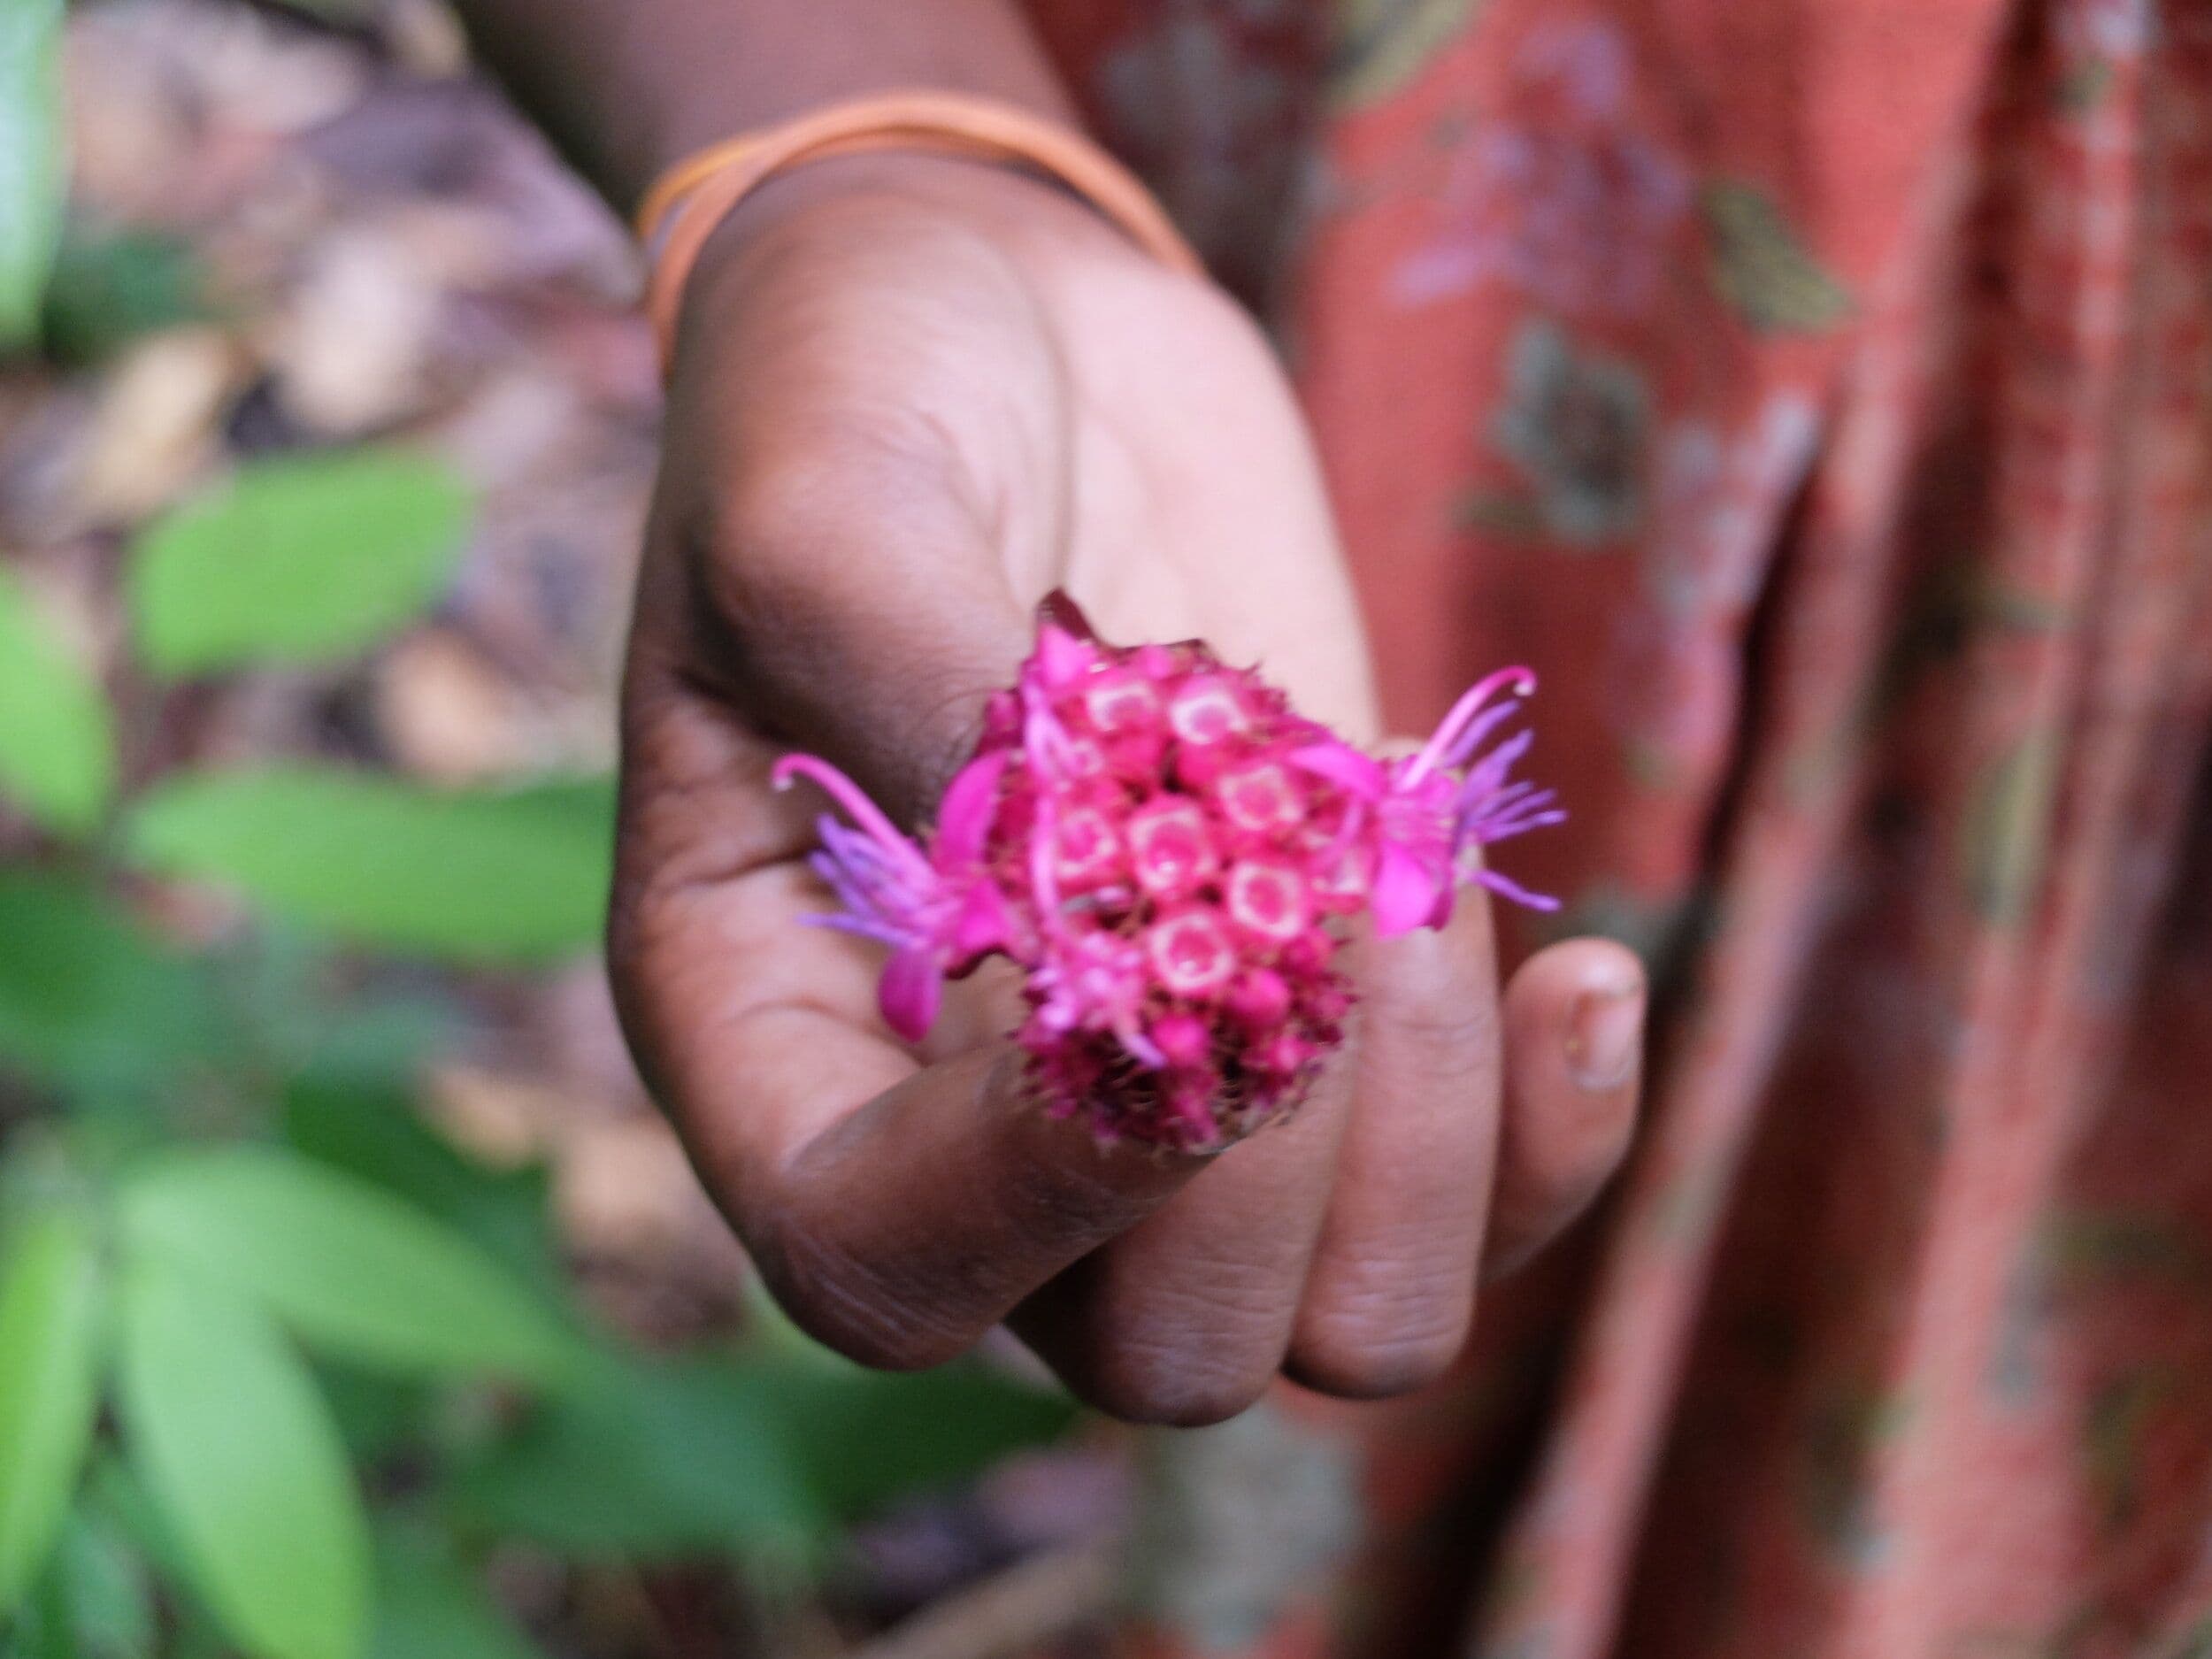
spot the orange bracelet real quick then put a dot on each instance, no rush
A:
(682, 209)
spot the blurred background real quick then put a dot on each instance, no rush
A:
(352, 1298)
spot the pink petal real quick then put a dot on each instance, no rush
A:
(1404, 895)
(1447, 896)
(984, 924)
(964, 819)
(910, 992)
(1183, 1040)
(1342, 764)
(1061, 658)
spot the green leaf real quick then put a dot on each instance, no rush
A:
(238, 1453)
(376, 1135)
(865, 1439)
(648, 1462)
(352, 1269)
(1763, 268)
(110, 290)
(88, 998)
(57, 743)
(313, 1009)
(301, 559)
(383, 1415)
(762, 1454)
(116, 1496)
(31, 174)
(104, 1591)
(49, 1331)
(39, 1628)
(429, 1607)
(474, 876)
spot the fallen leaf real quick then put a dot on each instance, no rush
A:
(350, 353)
(159, 425)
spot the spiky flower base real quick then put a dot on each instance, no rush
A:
(1168, 850)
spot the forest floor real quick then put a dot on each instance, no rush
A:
(288, 235)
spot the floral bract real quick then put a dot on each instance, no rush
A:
(1170, 851)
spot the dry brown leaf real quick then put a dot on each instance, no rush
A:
(447, 714)
(499, 1119)
(623, 1190)
(159, 425)
(351, 351)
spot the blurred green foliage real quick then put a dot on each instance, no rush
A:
(297, 559)
(57, 746)
(468, 876)
(107, 290)
(282, 1369)
(31, 169)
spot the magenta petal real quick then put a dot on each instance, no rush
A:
(909, 993)
(964, 821)
(1404, 895)
(1440, 915)
(1061, 658)
(984, 924)
(1342, 763)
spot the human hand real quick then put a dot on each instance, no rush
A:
(910, 396)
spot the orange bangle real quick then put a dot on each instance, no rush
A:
(686, 203)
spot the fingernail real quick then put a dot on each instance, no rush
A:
(1605, 1034)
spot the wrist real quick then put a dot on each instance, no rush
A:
(859, 200)
(678, 135)
(629, 88)
(971, 189)
(690, 201)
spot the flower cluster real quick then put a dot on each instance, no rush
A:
(1168, 851)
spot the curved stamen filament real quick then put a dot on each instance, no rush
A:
(1519, 681)
(1504, 826)
(1514, 890)
(858, 806)
(1487, 774)
(1479, 730)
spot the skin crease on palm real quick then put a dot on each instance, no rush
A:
(909, 398)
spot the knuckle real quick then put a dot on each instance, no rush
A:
(1179, 1368)
(1175, 1388)
(1377, 1338)
(1443, 1032)
(849, 1306)
(1380, 1370)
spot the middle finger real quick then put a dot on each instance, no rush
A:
(1185, 1318)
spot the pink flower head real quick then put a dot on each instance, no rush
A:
(1169, 851)
(1426, 819)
